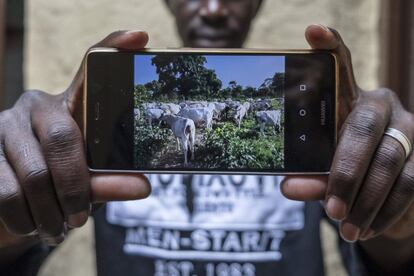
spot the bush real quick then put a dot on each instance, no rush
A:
(230, 147)
(147, 141)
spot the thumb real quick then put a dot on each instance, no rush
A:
(119, 187)
(321, 37)
(127, 40)
(304, 188)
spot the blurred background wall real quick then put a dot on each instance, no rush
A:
(59, 32)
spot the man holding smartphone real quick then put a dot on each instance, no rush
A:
(212, 225)
(241, 225)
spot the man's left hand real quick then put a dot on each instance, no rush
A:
(370, 188)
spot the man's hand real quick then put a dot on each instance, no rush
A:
(371, 185)
(45, 185)
(370, 189)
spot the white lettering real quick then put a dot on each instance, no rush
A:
(200, 240)
(217, 236)
(171, 239)
(154, 236)
(250, 241)
(232, 242)
(135, 236)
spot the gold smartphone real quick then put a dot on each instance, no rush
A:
(224, 111)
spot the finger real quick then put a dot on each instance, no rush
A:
(323, 38)
(360, 136)
(396, 206)
(34, 177)
(385, 167)
(304, 188)
(62, 145)
(119, 187)
(128, 40)
(14, 211)
(401, 196)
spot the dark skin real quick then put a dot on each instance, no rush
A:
(46, 188)
(213, 24)
(45, 183)
(370, 189)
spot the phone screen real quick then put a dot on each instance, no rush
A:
(208, 112)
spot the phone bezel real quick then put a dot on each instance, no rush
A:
(209, 51)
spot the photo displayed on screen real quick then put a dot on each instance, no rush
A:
(214, 112)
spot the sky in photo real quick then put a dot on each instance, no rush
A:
(245, 70)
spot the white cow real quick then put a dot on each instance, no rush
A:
(200, 115)
(174, 108)
(262, 105)
(137, 114)
(232, 104)
(247, 105)
(149, 105)
(219, 106)
(218, 109)
(193, 104)
(153, 114)
(170, 108)
(196, 105)
(184, 131)
(240, 113)
(269, 117)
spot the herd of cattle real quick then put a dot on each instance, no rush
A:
(185, 117)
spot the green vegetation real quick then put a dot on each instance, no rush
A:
(186, 78)
(224, 146)
(227, 146)
(147, 141)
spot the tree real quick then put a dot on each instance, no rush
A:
(273, 87)
(185, 75)
(265, 88)
(278, 84)
(225, 93)
(154, 88)
(236, 89)
(141, 95)
(250, 92)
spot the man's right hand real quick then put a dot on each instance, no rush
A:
(45, 185)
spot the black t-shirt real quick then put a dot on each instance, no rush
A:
(212, 225)
(209, 225)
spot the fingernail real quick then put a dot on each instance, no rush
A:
(54, 241)
(350, 232)
(335, 208)
(135, 32)
(367, 235)
(323, 27)
(77, 220)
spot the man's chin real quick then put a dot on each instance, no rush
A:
(213, 43)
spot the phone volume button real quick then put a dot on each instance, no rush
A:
(97, 112)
